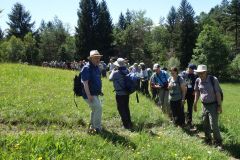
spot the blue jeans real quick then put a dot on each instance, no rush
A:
(96, 114)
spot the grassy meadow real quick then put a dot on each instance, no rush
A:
(39, 120)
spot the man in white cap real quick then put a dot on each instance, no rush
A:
(122, 96)
(209, 92)
(159, 81)
(91, 78)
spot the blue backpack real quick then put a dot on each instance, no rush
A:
(130, 81)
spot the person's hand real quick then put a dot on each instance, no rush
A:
(183, 102)
(170, 85)
(195, 107)
(219, 109)
(157, 86)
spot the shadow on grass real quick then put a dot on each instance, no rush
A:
(232, 147)
(43, 122)
(117, 139)
(142, 126)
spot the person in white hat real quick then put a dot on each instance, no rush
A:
(122, 96)
(144, 79)
(208, 89)
(91, 78)
(136, 71)
(159, 81)
(110, 65)
(153, 84)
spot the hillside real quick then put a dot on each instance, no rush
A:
(39, 120)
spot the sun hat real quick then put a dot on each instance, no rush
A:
(120, 62)
(135, 65)
(201, 68)
(156, 66)
(94, 53)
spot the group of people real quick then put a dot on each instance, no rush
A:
(170, 92)
(74, 65)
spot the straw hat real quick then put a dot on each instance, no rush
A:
(201, 68)
(120, 62)
(94, 53)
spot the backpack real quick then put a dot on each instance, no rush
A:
(212, 82)
(130, 81)
(77, 85)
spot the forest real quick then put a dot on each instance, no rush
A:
(179, 39)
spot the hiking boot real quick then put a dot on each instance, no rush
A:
(91, 131)
(94, 131)
(218, 145)
(98, 131)
(220, 148)
(208, 141)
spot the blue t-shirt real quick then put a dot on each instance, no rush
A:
(92, 74)
(160, 78)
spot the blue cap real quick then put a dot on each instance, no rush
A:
(192, 66)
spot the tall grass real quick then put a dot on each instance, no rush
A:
(39, 120)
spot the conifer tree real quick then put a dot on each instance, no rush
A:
(20, 21)
(187, 33)
(104, 30)
(234, 20)
(121, 22)
(172, 27)
(86, 32)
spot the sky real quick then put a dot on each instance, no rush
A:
(66, 10)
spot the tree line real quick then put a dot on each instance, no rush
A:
(179, 39)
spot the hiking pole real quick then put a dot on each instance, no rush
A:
(75, 101)
(137, 97)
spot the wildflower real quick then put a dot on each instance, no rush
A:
(40, 158)
(189, 158)
(17, 145)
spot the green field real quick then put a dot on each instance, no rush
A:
(39, 120)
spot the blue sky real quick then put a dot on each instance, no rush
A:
(66, 10)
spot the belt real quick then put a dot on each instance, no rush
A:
(209, 103)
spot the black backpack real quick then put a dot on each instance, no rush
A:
(212, 82)
(77, 85)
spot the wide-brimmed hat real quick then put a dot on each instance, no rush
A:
(201, 68)
(135, 64)
(94, 53)
(120, 62)
(156, 66)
